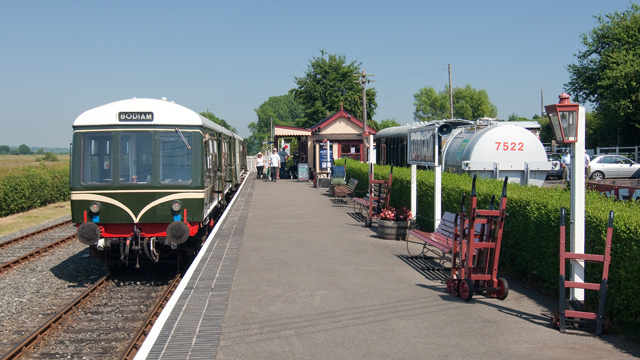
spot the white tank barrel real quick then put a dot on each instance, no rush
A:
(498, 151)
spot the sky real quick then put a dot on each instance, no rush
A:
(61, 58)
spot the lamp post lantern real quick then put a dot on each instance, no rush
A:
(568, 125)
(564, 120)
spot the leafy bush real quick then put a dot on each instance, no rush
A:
(32, 187)
(338, 181)
(530, 243)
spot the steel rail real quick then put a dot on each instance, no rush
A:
(21, 348)
(34, 233)
(8, 265)
(137, 340)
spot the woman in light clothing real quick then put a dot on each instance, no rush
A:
(260, 165)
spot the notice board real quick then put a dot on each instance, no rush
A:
(303, 172)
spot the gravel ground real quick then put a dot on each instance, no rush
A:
(34, 291)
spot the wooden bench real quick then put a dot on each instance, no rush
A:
(441, 239)
(351, 187)
(377, 199)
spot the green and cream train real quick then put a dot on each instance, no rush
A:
(149, 178)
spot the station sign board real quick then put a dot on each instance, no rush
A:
(421, 149)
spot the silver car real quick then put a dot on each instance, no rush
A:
(613, 166)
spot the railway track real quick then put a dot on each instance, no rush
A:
(110, 320)
(16, 251)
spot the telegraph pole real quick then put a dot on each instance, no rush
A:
(363, 81)
(450, 93)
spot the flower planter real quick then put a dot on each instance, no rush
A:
(339, 190)
(393, 230)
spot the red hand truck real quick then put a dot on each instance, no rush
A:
(476, 250)
(564, 316)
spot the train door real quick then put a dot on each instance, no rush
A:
(208, 171)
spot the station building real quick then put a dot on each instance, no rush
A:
(341, 131)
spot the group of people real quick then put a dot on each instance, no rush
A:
(566, 161)
(276, 160)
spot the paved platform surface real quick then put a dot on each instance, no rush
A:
(295, 275)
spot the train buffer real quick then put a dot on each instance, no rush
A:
(377, 199)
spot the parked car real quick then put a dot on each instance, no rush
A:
(557, 167)
(613, 166)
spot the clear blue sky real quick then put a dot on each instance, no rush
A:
(60, 58)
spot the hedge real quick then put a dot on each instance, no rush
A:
(530, 247)
(33, 187)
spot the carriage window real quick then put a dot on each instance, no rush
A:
(135, 157)
(96, 158)
(175, 159)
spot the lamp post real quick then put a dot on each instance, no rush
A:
(366, 141)
(568, 126)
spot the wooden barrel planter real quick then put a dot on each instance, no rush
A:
(393, 230)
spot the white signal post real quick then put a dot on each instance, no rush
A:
(568, 124)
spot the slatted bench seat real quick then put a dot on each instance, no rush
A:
(441, 239)
(351, 187)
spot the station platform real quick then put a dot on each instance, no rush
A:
(292, 273)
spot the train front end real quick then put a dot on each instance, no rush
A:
(137, 182)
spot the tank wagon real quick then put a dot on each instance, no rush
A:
(483, 148)
(148, 178)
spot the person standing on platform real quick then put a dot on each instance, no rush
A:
(587, 165)
(283, 161)
(274, 164)
(566, 160)
(260, 165)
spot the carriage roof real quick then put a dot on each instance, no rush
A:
(146, 112)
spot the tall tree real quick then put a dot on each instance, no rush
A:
(24, 150)
(607, 74)
(468, 103)
(388, 123)
(283, 109)
(328, 82)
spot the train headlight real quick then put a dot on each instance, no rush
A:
(94, 208)
(176, 206)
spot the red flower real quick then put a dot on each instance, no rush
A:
(391, 214)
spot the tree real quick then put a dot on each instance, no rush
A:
(219, 121)
(329, 82)
(4, 149)
(607, 72)
(282, 109)
(388, 123)
(24, 150)
(468, 103)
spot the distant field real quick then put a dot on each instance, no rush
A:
(10, 163)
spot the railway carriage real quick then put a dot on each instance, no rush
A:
(148, 178)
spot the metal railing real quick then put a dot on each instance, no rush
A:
(632, 152)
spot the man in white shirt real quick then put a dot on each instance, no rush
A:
(274, 163)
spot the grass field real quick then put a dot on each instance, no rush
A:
(12, 223)
(15, 222)
(11, 163)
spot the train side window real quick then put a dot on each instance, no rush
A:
(135, 157)
(175, 159)
(96, 158)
